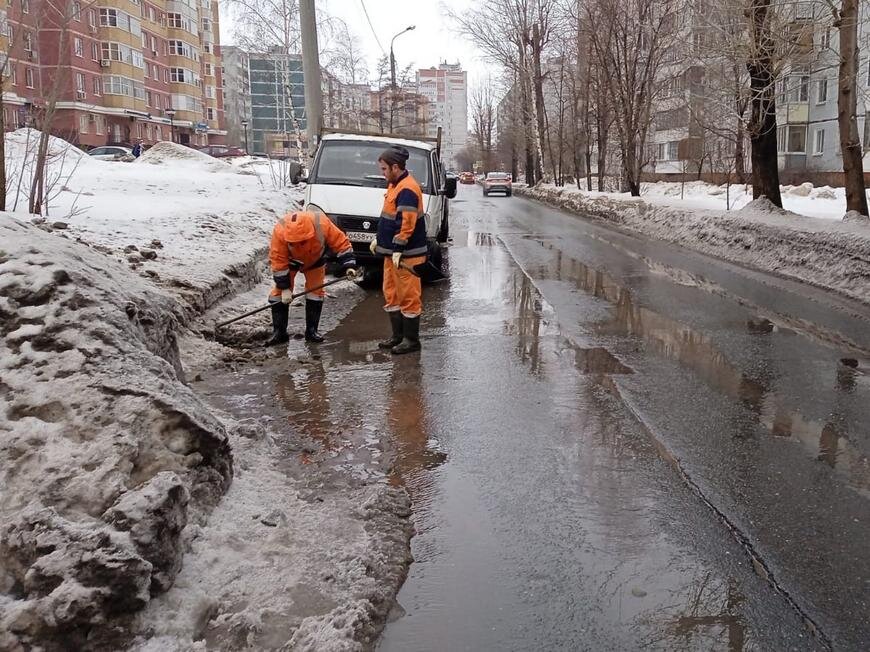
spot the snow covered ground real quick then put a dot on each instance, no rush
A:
(822, 202)
(829, 252)
(128, 504)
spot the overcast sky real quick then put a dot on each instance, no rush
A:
(431, 42)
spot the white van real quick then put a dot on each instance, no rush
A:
(346, 184)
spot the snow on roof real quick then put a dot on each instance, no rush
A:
(387, 140)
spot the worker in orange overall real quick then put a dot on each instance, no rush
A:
(299, 244)
(402, 240)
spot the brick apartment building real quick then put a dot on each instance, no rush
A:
(119, 69)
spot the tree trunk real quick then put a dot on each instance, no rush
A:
(602, 152)
(850, 143)
(3, 178)
(765, 163)
(538, 89)
(739, 154)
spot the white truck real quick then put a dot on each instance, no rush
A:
(346, 185)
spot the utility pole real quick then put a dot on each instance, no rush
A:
(311, 72)
(393, 74)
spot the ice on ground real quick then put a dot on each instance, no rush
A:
(104, 452)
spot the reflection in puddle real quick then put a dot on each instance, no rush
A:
(695, 350)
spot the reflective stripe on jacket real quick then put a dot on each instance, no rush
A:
(402, 226)
(299, 243)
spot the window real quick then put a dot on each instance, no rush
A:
(154, 45)
(792, 139)
(673, 150)
(98, 86)
(209, 114)
(208, 70)
(155, 72)
(206, 47)
(825, 38)
(78, 48)
(147, 98)
(144, 41)
(28, 77)
(206, 24)
(77, 11)
(80, 82)
(92, 18)
(83, 124)
(95, 51)
(819, 142)
(822, 91)
(136, 59)
(108, 17)
(152, 15)
(101, 125)
(157, 102)
(210, 92)
(28, 42)
(117, 85)
(13, 74)
(25, 6)
(798, 88)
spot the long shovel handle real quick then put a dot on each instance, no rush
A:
(269, 305)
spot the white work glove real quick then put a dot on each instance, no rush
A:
(351, 274)
(286, 296)
(373, 247)
(397, 258)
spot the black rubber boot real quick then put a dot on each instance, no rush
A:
(280, 317)
(411, 340)
(396, 323)
(312, 320)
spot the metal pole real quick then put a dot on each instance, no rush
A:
(311, 72)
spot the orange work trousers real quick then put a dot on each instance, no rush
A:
(402, 289)
(313, 278)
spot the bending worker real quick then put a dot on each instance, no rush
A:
(402, 240)
(299, 244)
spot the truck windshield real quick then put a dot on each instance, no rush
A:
(355, 163)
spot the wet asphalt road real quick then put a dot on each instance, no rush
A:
(610, 444)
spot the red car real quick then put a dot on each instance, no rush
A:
(222, 151)
(466, 177)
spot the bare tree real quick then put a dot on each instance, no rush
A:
(482, 104)
(630, 38)
(846, 17)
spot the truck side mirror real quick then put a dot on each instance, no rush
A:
(450, 188)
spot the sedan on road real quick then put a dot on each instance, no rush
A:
(110, 153)
(497, 182)
(466, 178)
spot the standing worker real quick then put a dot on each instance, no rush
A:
(402, 240)
(299, 244)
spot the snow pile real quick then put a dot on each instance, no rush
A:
(831, 254)
(166, 152)
(805, 199)
(23, 143)
(104, 453)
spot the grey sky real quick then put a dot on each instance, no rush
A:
(431, 42)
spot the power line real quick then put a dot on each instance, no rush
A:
(372, 27)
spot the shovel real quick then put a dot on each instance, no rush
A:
(269, 305)
(426, 271)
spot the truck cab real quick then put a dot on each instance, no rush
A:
(346, 185)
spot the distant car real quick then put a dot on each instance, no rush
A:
(110, 153)
(497, 182)
(222, 151)
(466, 177)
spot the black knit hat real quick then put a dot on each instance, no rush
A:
(395, 155)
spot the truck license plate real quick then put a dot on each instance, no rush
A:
(359, 236)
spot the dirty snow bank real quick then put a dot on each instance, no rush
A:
(165, 152)
(830, 254)
(104, 454)
(284, 562)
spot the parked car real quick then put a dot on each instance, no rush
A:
(222, 151)
(497, 182)
(466, 177)
(110, 153)
(346, 184)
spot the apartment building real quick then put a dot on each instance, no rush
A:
(446, 89)
(277, 103)
(236, 84)
(118, 70)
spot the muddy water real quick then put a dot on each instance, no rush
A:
(553, 522)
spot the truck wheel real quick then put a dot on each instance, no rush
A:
(444, 232)
(436, 254)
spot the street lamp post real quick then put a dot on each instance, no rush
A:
(171, 114)
(393, 73)
(245, 127)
